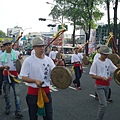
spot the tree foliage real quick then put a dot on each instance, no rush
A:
(2, 34)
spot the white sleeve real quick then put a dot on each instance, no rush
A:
(25, 70)
(112, 66)
(93, 69)
(72, 59)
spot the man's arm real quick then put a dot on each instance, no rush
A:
(29, 80)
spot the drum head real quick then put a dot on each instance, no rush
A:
(61, 77)
(117, 76)
(85, 60)
(114, 58)
(18, 66)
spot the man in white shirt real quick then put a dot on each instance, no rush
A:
(53, 54)
(76, 59)
(100, 71)
(35, 72)
(8, 65)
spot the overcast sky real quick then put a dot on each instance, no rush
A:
(25, 13)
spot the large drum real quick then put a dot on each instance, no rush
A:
(85, 60)
(61, 77)
(114, 58)
(117, 76)
(19, 63)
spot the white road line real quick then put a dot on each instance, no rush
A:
(92, 95)
(52, 88)
(72, 88)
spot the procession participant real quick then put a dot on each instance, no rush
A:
(35, 72)
(1, 71)
(97, 56)
(100, 71)
(7, 64)
(76, 59)
(53, 54)
(60, 58)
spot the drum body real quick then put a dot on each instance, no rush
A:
(117, 76)
(61, 77)
(114, 58)
(85, 60)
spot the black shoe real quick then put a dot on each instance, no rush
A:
(109, 100)
(96, 97)
(18, 115)
(7, 111)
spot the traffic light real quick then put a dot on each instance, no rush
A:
(42, 19)
(51, 25)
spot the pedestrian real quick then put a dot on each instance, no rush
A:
(1, 71)
(53, 54)
(76, 59)
(60, 58)
(100, 71)
(97, 56)
(35, 72)
(7, 64)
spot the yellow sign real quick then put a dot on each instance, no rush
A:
(2, 39)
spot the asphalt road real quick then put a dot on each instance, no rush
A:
(71, 104)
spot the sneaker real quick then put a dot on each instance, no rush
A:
(79, 88)
(7, 111)
(75, 85)
(109, 100)
(18, 115)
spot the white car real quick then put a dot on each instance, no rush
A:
(67, 51)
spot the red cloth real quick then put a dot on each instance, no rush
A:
(77, 64)
(5, 73)
(34, 91)
(101, 82)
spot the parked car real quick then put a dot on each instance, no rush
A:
(67, 51)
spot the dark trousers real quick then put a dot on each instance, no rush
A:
(1, 78)
(32, 107)
(78, 74)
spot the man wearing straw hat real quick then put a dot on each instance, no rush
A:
(35, 72)
(7, 64)
(100, 71)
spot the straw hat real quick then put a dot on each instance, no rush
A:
(104, 49)
(6, 41)
(37, 41)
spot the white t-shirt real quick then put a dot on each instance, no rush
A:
(102, 68)
(39, 69)
(33, 52)
(9, 63)
(96, 56)
(53, 54)
(77, 58)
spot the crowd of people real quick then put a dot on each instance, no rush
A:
(38, 98)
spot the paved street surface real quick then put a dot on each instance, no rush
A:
(71, 104)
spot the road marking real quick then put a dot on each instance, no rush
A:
(72, 88)
(52, 88)
(92, 95)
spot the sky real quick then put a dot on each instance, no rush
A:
(25, 14)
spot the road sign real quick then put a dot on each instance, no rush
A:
(60, 27)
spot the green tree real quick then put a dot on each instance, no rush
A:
(83, 13)
(2, 34)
